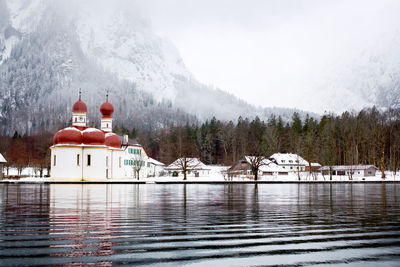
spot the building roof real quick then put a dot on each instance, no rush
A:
(288, 159)
(155, 162)
(193, 164)
(267, 165)
(348, 167)
(2, 159)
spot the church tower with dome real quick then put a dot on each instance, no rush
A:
(83, 153)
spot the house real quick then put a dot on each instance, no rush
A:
(243, 168)
(350, 170)
(290, 162)
(2, 162)
(195, 168)
(83, 153)
(155, 167)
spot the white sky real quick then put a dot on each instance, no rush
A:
(271, 53)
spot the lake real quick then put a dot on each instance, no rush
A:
(200, 224)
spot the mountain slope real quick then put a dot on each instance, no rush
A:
(50, 49)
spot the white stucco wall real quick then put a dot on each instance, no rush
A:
(66, 167)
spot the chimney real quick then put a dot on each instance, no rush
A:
(126, 139)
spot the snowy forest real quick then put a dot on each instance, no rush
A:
(367, 137)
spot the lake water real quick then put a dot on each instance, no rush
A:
(200, 225)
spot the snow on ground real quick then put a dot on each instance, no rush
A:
(26, 172)
(217, 174)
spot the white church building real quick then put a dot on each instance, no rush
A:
(82, 153)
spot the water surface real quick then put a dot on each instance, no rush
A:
(200, 225)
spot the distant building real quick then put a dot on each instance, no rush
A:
(243, 168)
(155, 167)
(2, 162)
(196, 168)
(85, 153)
(353, 170)
(289, 162)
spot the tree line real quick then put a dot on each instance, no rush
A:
(370, 136)
(27, 151)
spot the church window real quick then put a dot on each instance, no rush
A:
(89, 160)
(76, 119)
(54, 160)
(120, 160)
(107, 161)
(78, 159)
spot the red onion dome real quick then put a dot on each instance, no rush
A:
(93, 136)
(56, 137)
(113, 140)
(68, 136)
(79, 107)
(107, 109)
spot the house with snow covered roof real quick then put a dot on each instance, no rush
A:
(290, 162)
(195, 168)
(350, 170)
(155, 167)
(243, 168)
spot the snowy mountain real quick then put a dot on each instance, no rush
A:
(50, 49)
(371, 77)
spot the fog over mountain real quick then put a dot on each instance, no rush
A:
(331, 55)
(50, 49)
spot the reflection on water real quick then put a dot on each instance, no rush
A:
(239, 225)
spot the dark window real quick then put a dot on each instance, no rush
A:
(89, 160)
(77, 159)
(55, 160)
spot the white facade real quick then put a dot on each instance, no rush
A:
(99, 163)
(350, 170)
(195, 168)
(79, 119)
(156, 168)
(81, 153)
(106, 125)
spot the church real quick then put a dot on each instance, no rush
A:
(82, 153)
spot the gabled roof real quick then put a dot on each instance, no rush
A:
(155, 162)
(193, 164)
(288, 159)
(2, 159)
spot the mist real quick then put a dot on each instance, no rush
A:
(284, 53)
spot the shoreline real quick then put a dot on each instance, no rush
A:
(202, 182)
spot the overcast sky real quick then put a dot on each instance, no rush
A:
(272, 52)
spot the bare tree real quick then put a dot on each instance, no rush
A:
(187, 164)
(138, 162)
(255, 163)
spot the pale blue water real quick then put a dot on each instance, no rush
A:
(200, 225)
